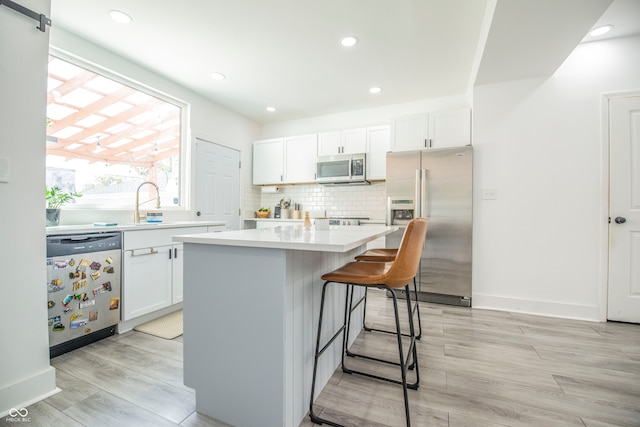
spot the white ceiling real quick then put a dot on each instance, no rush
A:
(286, 53)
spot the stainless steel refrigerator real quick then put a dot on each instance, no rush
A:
(435, 184)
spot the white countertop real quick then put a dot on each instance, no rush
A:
(90, 228)
(362, 221)
(336, 239)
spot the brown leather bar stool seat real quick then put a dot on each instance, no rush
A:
(382, 275)
(386, 255)
(378, 255)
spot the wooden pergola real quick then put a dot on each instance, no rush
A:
(100, 120)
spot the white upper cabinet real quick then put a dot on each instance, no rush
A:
(329, 143)
(285, 160)
(268, 161)
(447, 128)
(292, 160)
(354, 141)
(347, 141)
(378, 144)
(300, 153)
(450, 128)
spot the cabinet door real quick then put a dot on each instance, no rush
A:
(354, 141)
(329, 143)
(147, 277)
(268, 161)
(300, 153)
(378, 144)
(410, 132)
(177, 270)
(450, 128)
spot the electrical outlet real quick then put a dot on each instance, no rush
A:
(489, 193)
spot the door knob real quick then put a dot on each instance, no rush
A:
(198, 213)
(620, 220)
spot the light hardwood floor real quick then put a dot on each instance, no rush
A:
(477, 368)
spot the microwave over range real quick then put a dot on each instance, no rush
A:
(341, 169)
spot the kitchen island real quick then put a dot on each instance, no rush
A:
(251, 303)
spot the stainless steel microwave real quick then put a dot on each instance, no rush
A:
(341, 169)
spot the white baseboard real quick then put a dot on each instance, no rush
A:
(540, 308)
(28, 391)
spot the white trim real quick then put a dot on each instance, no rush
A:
(28, 391)
(605, 214)
(538, 308)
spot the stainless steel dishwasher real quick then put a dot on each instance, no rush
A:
(83, 288)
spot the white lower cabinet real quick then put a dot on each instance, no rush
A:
(147, 281)
(152, 270)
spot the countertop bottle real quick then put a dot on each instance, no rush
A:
(307, 221)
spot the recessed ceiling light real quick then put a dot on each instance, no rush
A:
(349, 41)
(120, 17)
(271, 109)
(601, 30)
(375, 89)
(218, 76)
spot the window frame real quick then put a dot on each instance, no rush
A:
(185, 108)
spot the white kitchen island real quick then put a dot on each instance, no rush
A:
(251, 303)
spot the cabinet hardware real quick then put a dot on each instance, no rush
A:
(151, 252)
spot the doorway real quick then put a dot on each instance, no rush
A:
(217, 183)
(623, 295)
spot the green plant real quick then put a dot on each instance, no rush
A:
(56, 198)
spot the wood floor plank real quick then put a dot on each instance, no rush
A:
(170, 349)
(479, 368)
(42, 414)
(173, 403)
(72, 390)
(103, 409)
(199, 420)
(556, 401)
(153, 364)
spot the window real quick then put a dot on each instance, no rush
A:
(105, 137)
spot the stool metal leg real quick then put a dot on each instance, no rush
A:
(403, 365)
(316, 419)
(344, 330)
(416, 309)
(411, 355)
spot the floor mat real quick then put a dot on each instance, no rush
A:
(167, 327)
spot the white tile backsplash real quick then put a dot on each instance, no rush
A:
(337, 201)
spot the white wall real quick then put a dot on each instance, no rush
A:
(208, 121)
(361, 118)
(25, 374)
(537, 247)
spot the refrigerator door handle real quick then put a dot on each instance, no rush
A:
(423, 193)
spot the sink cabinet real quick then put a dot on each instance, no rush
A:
(152, 270)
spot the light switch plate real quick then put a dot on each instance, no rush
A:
(4, 169)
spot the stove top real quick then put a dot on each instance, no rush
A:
(346, 221)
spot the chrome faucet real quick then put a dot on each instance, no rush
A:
(136, 215)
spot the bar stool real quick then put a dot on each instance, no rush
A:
(386, 255)
(381, 275)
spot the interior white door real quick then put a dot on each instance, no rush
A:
(624, 210)
(217, 184)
